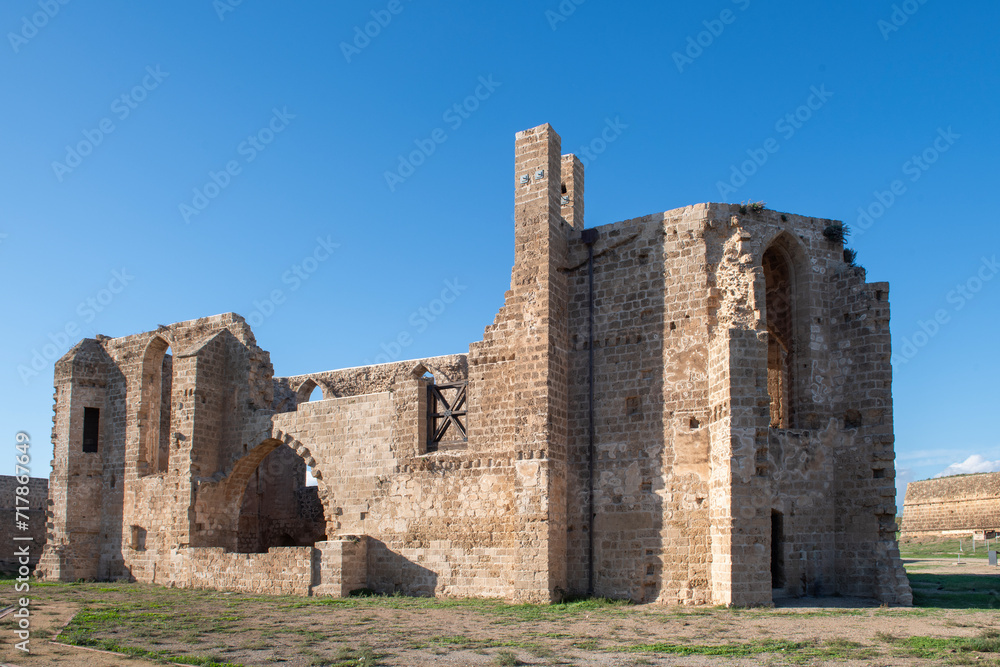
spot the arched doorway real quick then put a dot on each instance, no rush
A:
(279, 508)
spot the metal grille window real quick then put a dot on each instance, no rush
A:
(446, 413)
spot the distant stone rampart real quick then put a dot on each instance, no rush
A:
(960, 504)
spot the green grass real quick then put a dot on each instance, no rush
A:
(955, 591)
(218, 629)
(732, 650)
(89, 622)
(936, 647)
(351, 657)
(805, 651)
(137, 652)
(945, 548)
(515, 613)
(957, 582)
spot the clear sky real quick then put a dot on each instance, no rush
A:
(162, 161)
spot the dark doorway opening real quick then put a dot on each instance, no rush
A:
(777, 550)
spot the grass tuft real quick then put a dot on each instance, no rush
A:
(506, 659)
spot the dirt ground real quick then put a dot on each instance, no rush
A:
(46, 623)
(952, 566)
(960, 603)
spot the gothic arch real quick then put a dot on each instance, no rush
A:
(155, 407)
(786, 318)
(238, 481)
(305, 390)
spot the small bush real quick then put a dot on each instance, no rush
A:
(836, 233)
(753, 207)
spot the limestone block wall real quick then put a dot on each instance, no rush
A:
(104, 502)
(803, 463)
(831, 497)
(442, 523)
(280, 571)
(36, 510)
(968, 503)
(340, 566)
(696, 498)
(78, 480)
(518, 374)
(651, 413)
(861, 384)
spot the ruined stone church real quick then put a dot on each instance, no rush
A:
(692, 407)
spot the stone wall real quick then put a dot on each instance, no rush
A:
(959, 504)
(651, 442)
(221, 392)
(280, 571)
(35, 511)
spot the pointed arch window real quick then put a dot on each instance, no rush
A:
(781, 343)
(155, 408)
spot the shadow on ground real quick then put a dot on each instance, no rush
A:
(955, 591)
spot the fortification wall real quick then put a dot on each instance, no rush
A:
(963, 503)
(35, 509)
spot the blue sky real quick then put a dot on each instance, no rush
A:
(165, 161)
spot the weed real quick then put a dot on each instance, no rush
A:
(837, 232)
(506, 659)
(753, 207)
